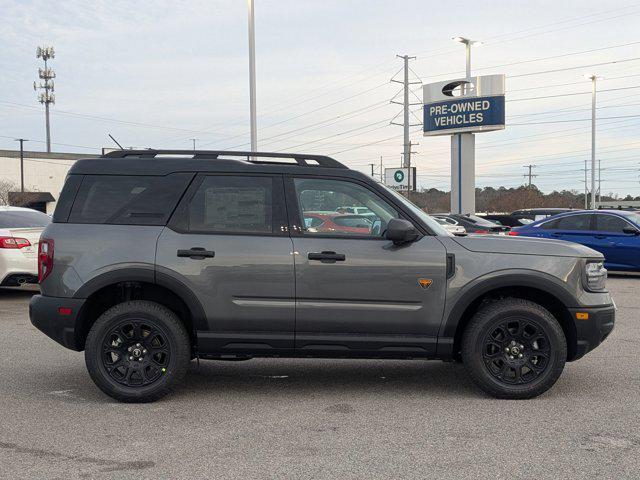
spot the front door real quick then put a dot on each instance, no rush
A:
(228, 243)
(357, 293)
(622, 251)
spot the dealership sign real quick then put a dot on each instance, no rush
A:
(464, 105)
(400, 178)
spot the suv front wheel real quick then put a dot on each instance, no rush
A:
(514, 348)
(137, 351)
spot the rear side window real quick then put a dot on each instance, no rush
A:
(234, 204)
(23, 219)
(574, 222)
(128, 200)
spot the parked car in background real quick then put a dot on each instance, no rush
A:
(473, 223)
(20, 230)
(355, 210)
(333, 222)
(505, 220)
(614, 233)
(450, 227)
(535, 214)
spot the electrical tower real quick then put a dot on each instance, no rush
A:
(406, 156)
(46, 97)
(530, 175)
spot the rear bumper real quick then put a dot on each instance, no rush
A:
(45, 316)
(592, 332)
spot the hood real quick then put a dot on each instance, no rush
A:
(525, 246)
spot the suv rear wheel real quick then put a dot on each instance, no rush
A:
(514, 348)
(137, 351)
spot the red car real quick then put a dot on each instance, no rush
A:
(334, 222)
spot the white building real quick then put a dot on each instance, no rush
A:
(44, 175)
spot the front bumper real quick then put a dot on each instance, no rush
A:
(594, 330)
(46, 316)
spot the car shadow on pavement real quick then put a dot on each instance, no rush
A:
(18, 293)
(302, 376)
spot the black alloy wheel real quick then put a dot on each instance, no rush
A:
(516, 351)
(137, 351)
(514, 348)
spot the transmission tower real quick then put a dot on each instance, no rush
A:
(530, 175)
(46, 97)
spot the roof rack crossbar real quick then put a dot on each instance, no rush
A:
(303, 160)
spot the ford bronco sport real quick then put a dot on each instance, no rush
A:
(155, 258)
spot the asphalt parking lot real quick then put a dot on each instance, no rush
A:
(318, 418)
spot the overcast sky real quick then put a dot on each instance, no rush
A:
(158, 73)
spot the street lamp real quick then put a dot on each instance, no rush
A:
(593, 79)
(467, 42)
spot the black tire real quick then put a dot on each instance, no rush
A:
(493, 355)
(159, 363)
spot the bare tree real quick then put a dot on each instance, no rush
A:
(6, 187)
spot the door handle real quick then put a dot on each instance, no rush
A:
(600, 236)
(197, 253)
(327, 257)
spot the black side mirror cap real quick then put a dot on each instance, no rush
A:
(631, 231)
(401, 231)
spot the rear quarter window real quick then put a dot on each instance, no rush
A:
(128, 200)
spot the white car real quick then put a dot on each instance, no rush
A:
(20, 230)
(451, 227)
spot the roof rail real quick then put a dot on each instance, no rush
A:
(303, 160)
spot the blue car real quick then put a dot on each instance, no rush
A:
(614, 233)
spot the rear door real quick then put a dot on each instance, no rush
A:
(356, 292)
(578, 228)
(228, 243)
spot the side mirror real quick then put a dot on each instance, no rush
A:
(401, 231)
(631, 231)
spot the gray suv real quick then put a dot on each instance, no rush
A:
(155, 258)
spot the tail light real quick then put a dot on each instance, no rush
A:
(481, 232)
(45, 258)
(513, 233)
(14, 242)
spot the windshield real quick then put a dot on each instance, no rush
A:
(431, 222)
(23, 219)
(479, 221)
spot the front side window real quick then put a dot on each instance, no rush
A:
(575, 222)
(232, 204)
(335, 203)
(611, 223)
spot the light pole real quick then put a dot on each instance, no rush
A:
(463, 147)
(593, 79)
(21, 140)
(467, 42)
(252, 79)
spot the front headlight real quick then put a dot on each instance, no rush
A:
(596, 275)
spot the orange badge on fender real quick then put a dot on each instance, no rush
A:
(425, 282)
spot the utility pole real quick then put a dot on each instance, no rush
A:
(599, 180)
(372, 167)
(530, 175)
(21, 140)
(47, 97)
(194, 144)
(381, 171)
(252, 79)
(593, 79)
